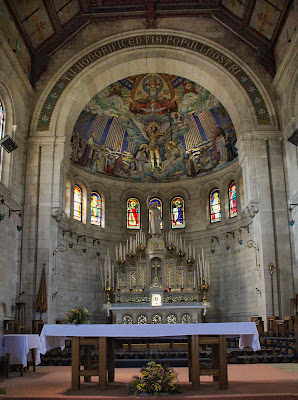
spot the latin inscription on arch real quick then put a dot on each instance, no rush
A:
(167, 40)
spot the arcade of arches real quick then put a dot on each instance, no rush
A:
(122, 115)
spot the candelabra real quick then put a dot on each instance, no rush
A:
(194, 294)
(143, 295)
(171, 249)
(141, 249)
(204, 288)
(121, 263)
(130, 296)
(170, 298)
(130, 256)
(190, 262)
(182, 294)
(180, 254)
(109, 291)
(271, 271)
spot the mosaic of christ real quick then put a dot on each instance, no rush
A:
(153, 127)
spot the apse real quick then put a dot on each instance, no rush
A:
(153, 128)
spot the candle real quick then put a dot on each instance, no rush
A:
(169, 279)
(118, 285)
(193, 252)
(117, 253)
(182, 279)
(194, 279)
(130, 280)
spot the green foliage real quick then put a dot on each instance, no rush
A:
(155, 378)
(77, 316)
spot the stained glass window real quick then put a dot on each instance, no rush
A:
(233, 200)
(77, 203)
(159, 206)
(177, 213)
(95, 209)
(215, 212)
(133, 214)
(2, 125)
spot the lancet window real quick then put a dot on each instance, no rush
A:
(233, 200)
(177, 213)
(77, 203)
(133, 217)
(2, 126)
(215, 211)
(159, 206)
(96, 206)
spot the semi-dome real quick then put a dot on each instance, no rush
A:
(153, 127)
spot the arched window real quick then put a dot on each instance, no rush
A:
(233, 200)
(133, 217)
(159, 206)
(96, 208)
(177, 213)
(77, 203)
(215, 213)
(2, 126)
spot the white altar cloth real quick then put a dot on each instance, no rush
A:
(19, 346)
(247, 331)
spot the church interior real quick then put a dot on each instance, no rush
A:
(149, 166)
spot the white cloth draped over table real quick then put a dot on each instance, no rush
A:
(19, 346)
(247, 331)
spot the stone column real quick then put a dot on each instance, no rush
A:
(260, 157)
(42, 211)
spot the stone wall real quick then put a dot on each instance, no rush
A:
(15, 93)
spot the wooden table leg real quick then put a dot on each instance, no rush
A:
(102, 363)
(215, 360)
(87, 361)
(189, 358)
(195, 362)
(223, 368)
(75, 363)
(33, 352)
(111, 359)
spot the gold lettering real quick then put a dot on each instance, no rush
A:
(131, 41)
(176, 41)
(158, 39)
(139, 40)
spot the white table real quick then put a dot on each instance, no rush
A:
(212, 333)
(19, 346)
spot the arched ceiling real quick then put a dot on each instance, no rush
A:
(46, 25)
(153, 127)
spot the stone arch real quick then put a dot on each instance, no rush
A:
(233, 94)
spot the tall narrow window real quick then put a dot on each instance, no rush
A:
(177, 213)
(233, 200)
(77, 203)
(133, 213)
(95, 209)
(215, 213)
(159, 206)
(2, 126)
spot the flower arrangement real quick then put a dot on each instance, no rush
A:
(155, 379)
(77, 316)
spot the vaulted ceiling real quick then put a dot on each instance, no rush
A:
(47, 24)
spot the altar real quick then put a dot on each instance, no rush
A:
(160, 281)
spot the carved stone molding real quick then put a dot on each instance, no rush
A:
(251, 209)
(58, 214)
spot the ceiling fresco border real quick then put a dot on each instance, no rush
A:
(162, 39)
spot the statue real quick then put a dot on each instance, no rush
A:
(154, 222)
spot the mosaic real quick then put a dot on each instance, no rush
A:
(153, 127)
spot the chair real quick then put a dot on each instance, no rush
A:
(280, 328)
(37, 325)
(8, 326)
(271, 324)
(259, 324)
